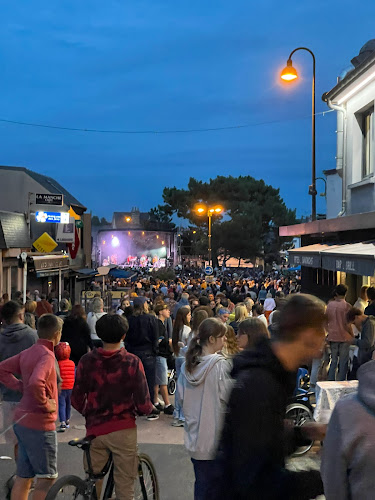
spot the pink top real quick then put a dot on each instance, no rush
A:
(338, 328)
(38, 384)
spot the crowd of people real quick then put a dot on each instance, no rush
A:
(235, 345)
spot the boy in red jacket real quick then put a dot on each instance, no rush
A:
(110, 389)
(36, 414)
(67, 373)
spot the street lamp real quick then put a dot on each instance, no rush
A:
(289, 74)
(209, 211)
(128, 219)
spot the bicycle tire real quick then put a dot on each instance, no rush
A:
(148, 478)
(75, 482)
(171, 387)
(304, 415)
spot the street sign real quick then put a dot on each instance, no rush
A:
(56, 217)
(45, 243)
(79, 224)
(65, 232)
(49, 199)
(209, 270)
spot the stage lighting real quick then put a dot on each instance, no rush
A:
(115, 241)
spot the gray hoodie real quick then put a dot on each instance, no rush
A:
(204, 394)
(348, 465)
(13, 340)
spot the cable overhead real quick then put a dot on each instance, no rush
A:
(145, 132)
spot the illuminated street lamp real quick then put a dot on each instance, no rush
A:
(209, 211)
(289, 74)
(128, 219)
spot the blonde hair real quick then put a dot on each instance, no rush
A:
(230, 346)
(240, 313)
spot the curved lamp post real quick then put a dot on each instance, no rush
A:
(289, 74)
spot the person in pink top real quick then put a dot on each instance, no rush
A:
(340, 334)
(33, 373)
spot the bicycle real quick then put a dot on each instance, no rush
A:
(74, 488)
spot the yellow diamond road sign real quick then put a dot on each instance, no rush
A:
(45, 243)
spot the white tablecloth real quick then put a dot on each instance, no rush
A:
(327, 395)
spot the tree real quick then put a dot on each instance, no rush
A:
(160, 218)
(253, 210)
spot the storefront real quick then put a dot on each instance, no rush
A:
(46, 273)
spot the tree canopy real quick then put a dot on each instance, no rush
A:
(253, 212)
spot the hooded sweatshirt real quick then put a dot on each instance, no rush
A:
(348, 462)
(110, 389)
(13, 340)
(204, 394)
(254, 441)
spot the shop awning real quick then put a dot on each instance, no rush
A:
(308, 256)
(353, 258)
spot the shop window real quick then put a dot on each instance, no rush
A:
(367, 127)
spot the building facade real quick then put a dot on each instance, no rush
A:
(24, 193)
(341, 248)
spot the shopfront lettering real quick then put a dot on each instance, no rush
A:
(338, 264)
(350, 265)
(307, 261)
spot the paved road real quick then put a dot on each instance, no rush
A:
(163, 443)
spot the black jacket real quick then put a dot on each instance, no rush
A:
(76, 332)
(143, 334)
(366, 343)
(254, 441)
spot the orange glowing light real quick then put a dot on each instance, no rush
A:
(103, 242)
(289, 73)
(143, 233)
(129, 233)
(157, 236)
(218, 210)
(163, 242)
(194, 232)
(128, 219)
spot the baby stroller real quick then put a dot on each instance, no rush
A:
(172, 378)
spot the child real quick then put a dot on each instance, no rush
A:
(36, 413)
(204, 389)
(67, 373)
(110, 389)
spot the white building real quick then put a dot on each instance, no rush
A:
(341, 249)
(353, 98)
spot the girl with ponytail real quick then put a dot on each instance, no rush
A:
(204, 387)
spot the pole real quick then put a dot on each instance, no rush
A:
(24, 281)
(209, 238)
(313, 165)
(59, 288)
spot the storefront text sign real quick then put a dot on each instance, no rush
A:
(49, 199)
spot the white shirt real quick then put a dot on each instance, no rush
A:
(92, 318)
(269, 304)
(264, 319)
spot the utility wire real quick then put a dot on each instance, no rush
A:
(144, 132)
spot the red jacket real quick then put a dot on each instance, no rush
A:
(67, 367)
(38, 384)
(43, 307)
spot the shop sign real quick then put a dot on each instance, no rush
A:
(54, 217)
(49, 199)
(45, 243)
(304, 260)
(349, 264)
(43, 264)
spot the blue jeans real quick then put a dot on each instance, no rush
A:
(64, 405)
(178, 412)
(340, 355)
(207, 476)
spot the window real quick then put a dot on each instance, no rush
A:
(367, 142)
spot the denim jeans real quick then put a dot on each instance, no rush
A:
(340, 355)
(64, 405)
(178, 412)
(207, 478)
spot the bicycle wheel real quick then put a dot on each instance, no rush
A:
(171, 386)
(299, 414)
(68, 488)
(146, 487)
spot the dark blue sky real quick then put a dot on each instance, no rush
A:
(141, 65)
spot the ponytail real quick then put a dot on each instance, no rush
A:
(193, 354)
(210, 327)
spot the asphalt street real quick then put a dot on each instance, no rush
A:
(162, 442)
